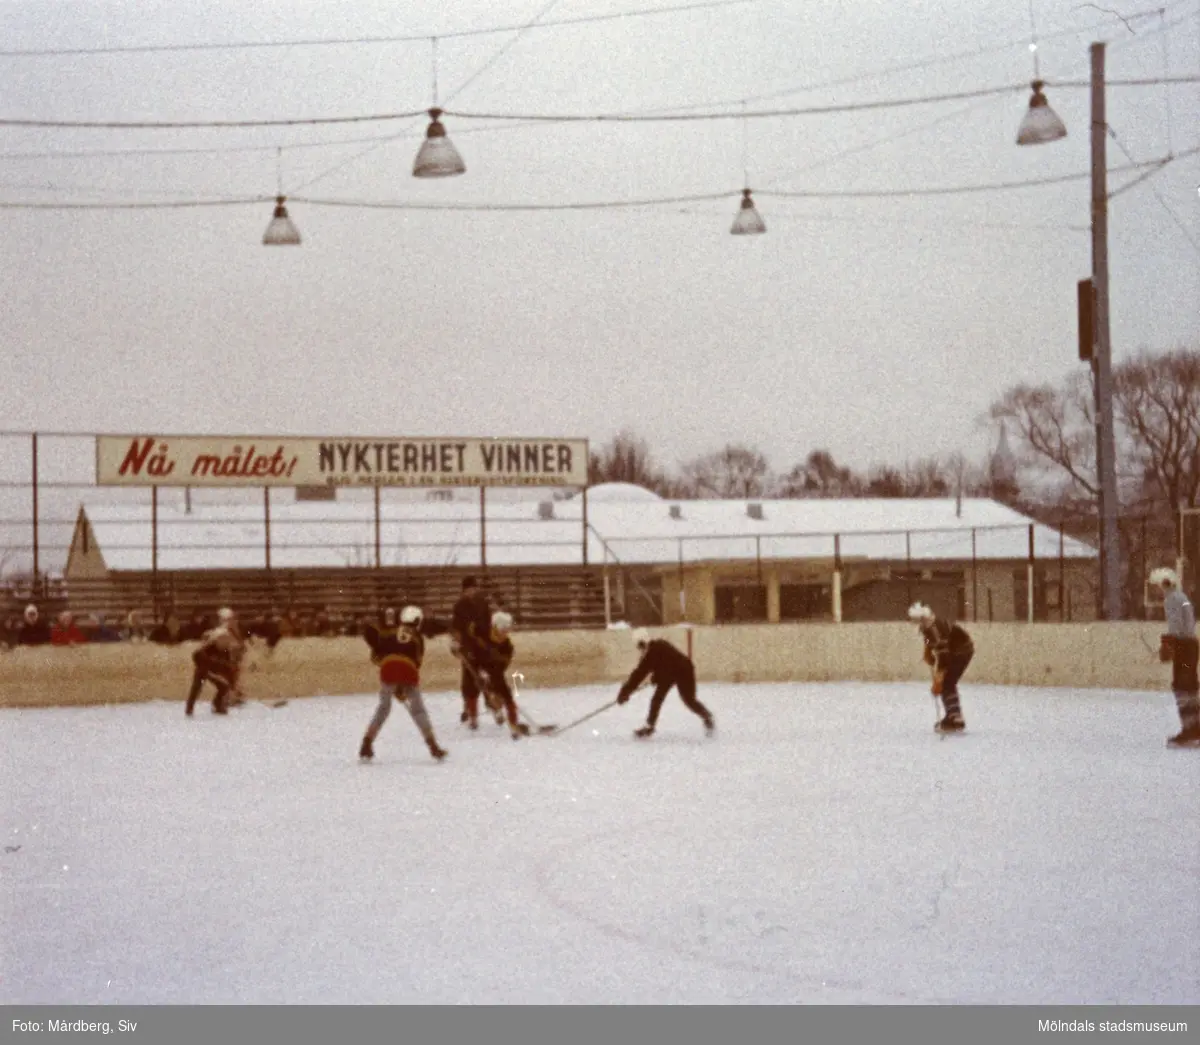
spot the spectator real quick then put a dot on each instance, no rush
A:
(10, 631)
(105, 632)
(134, 630)
(169, 632)
(34, 631)
(66, 632)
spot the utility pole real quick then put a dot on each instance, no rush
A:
(1106, 445)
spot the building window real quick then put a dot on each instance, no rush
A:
(740, 603)
(805, 602)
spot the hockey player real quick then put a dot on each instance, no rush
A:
(471, 621)
(667, 667)
(948, 650)
(494, 657)
(217, 660)
(1179, 648)
(398, 655)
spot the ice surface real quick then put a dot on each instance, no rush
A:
(825, 847)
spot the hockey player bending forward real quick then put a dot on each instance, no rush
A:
(218, 661)
(493, 657)
(948, 650)
(398, 655)
(1180, 649)
(666, 667)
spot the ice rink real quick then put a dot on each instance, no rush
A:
(825, 847)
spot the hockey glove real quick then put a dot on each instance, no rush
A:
(1166, 648)
(939, 682)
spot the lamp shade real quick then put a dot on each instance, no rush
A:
(282, 231)
(437, 157)
(747, 222)
(1041, 123)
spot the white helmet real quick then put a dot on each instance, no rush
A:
(412, 615)
(1164, 576)
(920, 613)
(31, 613)
(641, 638)
(502, 622)
(225, 615)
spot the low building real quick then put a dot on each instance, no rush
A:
(618, 552)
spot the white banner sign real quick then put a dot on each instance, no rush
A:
(150, 460)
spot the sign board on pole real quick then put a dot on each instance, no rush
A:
(160, 460)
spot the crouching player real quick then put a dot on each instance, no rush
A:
(1180, 649)
(666, 667)
(948, 650)
(398, 655)
(493, 657)
(217, 660)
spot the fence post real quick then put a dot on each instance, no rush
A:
(483, 528)
(1062, 570)
(36, 563)
(837, 578)
(154, 549)
(378, 539)
(1144, 573)
(682, 591)
(585, 527)
(267, 523)
(908, 566)
(974, 579)
(758, 557)
(607, 592)
(1029, 580)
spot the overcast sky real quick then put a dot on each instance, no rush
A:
(880, 329)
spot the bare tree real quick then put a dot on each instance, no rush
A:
(735, 471)
(1158, 401)
(626, 459)
(1056, 429)
(819, 476)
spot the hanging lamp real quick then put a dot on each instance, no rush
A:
(748, 222)
(1041, 123)
(282, 231)
(437, 157)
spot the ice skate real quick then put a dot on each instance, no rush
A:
(367, 751)
(436, 751)
(951, 724)
(465, 717)
(644, 732)
(710, 727)
(1189, 737)
(220, 709)
(519, 730)
(472, 723)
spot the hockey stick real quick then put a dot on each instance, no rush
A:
(489, 698)
(544, 731)
(580, 721)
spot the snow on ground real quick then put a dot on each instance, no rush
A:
(825, 847)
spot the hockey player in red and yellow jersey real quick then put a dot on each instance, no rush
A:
(398, 655)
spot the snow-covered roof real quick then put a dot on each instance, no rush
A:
(640, 531)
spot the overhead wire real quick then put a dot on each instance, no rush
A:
(645, 12)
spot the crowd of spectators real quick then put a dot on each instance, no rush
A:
(171, 628)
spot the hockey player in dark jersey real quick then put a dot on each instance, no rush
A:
(948, 650)
(493, 659)
(666, 667)
(218, 660)
(398, 655)
(470, 623)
